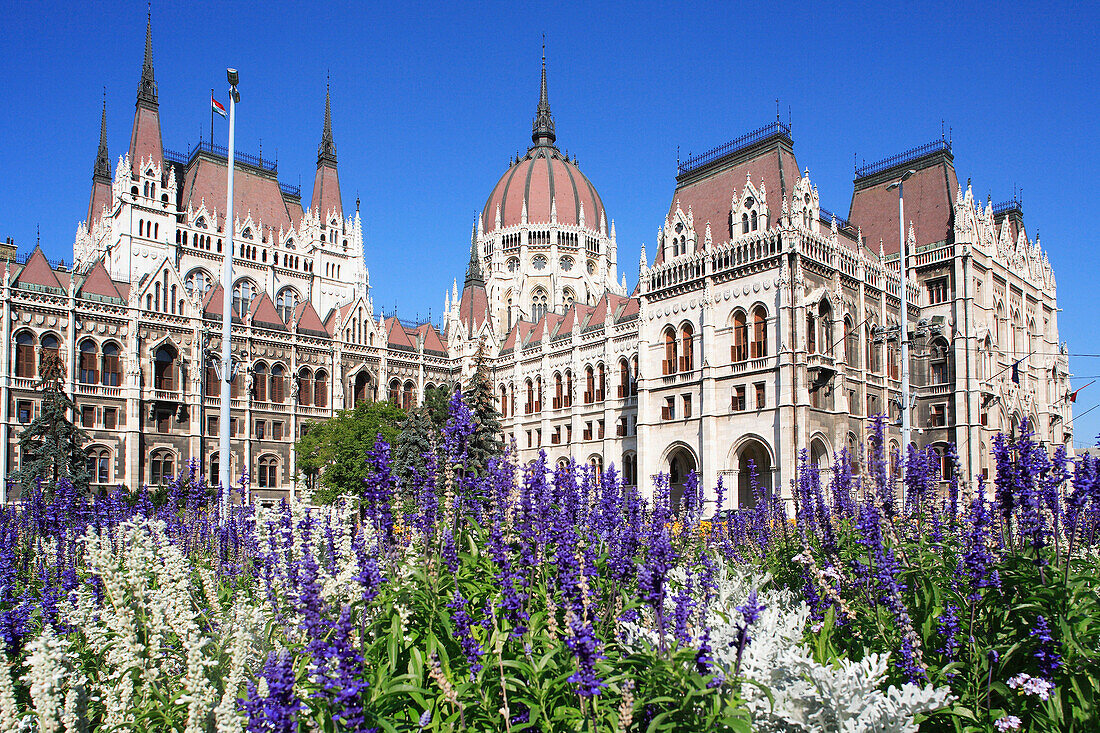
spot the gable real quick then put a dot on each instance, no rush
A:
(37, 274)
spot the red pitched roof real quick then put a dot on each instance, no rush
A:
(929, 203)
(709, 190)
(326, 191)
(212, 303)
(98, 282)
(432, 339)
(205, 179)
(101, 197)
(145, 139)
(306, 319)
(37, 271)
(337, 314)
(473, 308)
(396, 334)
(264, 313)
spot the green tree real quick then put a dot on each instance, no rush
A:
(333, 454)
(52, 446)
(437, 403)
(419, 436)
(488, 440)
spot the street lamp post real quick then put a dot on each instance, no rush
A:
(906, 428)
(227, 310)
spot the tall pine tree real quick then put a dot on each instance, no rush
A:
(487, 441)
(52, 446)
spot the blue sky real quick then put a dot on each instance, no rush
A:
(429, 101)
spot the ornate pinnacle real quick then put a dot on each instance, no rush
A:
(473, 270)
(102, 169)
(542, 129)
(326, 151)
(147, 87)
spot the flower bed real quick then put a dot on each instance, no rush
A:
(530, 599)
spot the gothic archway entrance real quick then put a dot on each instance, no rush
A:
(753, 457)
(680, 464)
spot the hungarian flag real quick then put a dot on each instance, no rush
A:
(1072, 397)
(216, 106)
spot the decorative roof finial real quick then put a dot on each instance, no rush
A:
(473, 270)
(102, 169)
(147, 87)
(326, 152)
(542, 129)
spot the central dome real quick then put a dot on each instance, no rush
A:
(543, 180)
(544, 183)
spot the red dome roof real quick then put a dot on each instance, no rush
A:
(543, 174)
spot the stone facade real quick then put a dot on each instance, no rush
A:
(764, 326)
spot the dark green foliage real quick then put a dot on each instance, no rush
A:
(418, 437)
(333, 454)
(52, 446)
(487, 441)
(436, 402)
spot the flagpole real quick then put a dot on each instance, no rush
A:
(211, 119)
(227, 309)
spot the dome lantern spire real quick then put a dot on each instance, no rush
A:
(326, 151)
(542, 129)
(147, 87)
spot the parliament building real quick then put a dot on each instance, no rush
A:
(759, 325)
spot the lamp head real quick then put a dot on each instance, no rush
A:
(905, 177)
(231, 74)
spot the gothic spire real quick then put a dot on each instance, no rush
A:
(326, 152)
(147, 87)
(473, 270)
(102, 170)
(542, 129)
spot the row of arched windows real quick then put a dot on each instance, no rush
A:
(148, 229)
(49, 348)
(100, 366)
(743, 348)
(403, 395)
(595, 380)
(679, 349)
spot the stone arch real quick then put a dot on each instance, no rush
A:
(678, 461)
(754, 448)
(819, 452)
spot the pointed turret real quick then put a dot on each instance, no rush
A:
(542, 129)
(145, 139)
(101, 174)
(473, 309)
(326, 183)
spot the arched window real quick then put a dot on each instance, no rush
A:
(51, 353)
(997, 320)
(825, 323)
(503, 401)
(198, 282)
(89, 373)
(669, 363)
(529, 406)
(601, 384)
(630, 469)
(408, 396)
(568, 396)
(24, 355)
(872, 351)
(624, 378)
(892, 359)
(754, 221)
(558, 390)
(538, 394)
(320, 388)
(538, 304)
(285, 302)
(164, 368)
(268, 473)
(744, 223)
(589, 385)
(162, 466)
(243, 293)
(395, 392)
(259, 382)
(811, 331)
(215, 467)
(939, 371)
(568, 297)
(851, 344)
(634, 377)
(687, 350)
(740, 349)
(112, 367)
(596, 464)
(278, 383)
(99, 464)
(305, 387)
